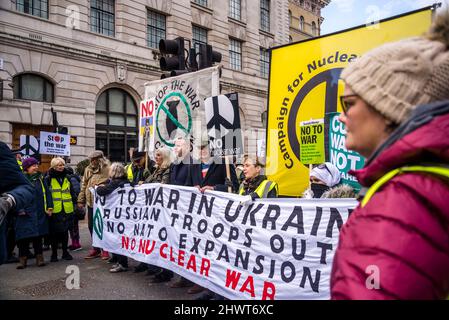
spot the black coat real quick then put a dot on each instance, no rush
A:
(61, 221)
(215, 177)
(180, 173)
(13, 182)
(39, 205)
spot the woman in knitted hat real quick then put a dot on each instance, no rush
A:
(35, 217)
(395, 245)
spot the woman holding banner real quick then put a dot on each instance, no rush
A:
(395, 245)
(161, 174)
(255, 184)
(117, 179)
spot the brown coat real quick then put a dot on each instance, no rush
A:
(90, 179)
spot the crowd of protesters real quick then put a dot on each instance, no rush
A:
(395, 109)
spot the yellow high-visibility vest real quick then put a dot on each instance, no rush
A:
(20, 165)
(45, 196)
(263, 189)
(436, 170)
(129, 171)
(61, 196)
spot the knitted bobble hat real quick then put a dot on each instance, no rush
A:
(397, 77)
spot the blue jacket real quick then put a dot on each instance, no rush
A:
(39, 205)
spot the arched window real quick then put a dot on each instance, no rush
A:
(116, 124)
(314, 28)
(30, 86)
(301, 23)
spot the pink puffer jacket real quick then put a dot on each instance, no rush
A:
(403, 231)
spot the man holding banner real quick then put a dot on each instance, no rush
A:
(395, 245)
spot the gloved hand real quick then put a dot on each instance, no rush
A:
(146, 173)
(228, 183)
(246, 200)
(6, 203)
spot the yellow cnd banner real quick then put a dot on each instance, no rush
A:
(305, 85)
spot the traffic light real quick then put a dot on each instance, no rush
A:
(207, 56)
(174, 48)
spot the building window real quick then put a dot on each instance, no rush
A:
(38, 8)
(314, 28)
(235, 9)
(264, 63)
(235, 54)
(290, 39)
(102, 19)
(116, 124)
(199, 36)
(155, 28)
(265, 15)
(290, 19)
(301, 23)
(201, 2)
(32, 87)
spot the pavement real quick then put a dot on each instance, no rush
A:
(95, 280)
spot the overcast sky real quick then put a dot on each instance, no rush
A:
(344, 14)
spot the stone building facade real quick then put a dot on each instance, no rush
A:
(88, 61)
(305, 18)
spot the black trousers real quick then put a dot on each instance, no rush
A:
(24, 244)
(57, 238)
(122, 260)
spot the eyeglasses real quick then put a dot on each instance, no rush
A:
(344, 104)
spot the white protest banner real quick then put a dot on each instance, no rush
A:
(54, 143)
(270, 249)
(179, 105)
(146, 125)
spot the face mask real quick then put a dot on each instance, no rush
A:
(318, 189)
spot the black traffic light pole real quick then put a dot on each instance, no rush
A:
(178, 64)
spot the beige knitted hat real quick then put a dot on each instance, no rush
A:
(396, 77)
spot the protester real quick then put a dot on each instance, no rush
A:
(63, 207)
(180, 176)
(255, 184)
(180, 169)
(117, 179)
(210, 174)
(325, 183)
(396, 113)
(136, 171)
(161, 174)
(74, 230)
(95, 174)
(41, 208)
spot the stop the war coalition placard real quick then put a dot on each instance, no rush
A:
(269, 249)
